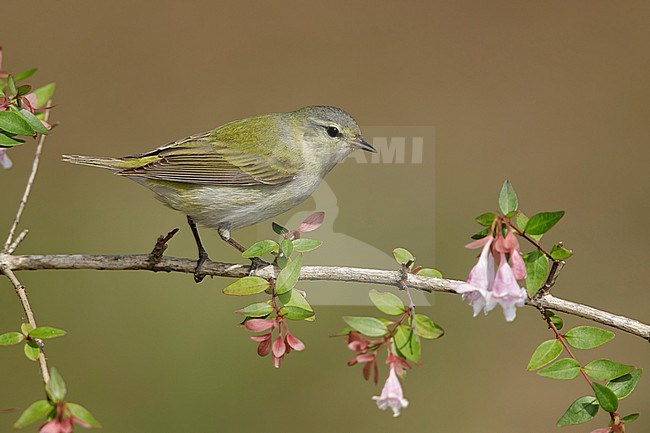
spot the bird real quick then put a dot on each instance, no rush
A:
(243, 172)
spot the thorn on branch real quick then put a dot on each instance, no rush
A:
(161, 245)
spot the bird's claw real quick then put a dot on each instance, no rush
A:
(198, 275)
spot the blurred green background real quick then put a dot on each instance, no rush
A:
(551, 95)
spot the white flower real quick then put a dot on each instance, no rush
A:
(392, 395)
(479, 283)
(5, 162)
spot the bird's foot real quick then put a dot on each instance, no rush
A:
(257, 263)
(198, 275)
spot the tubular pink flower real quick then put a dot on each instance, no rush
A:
(506, 291)
(477, 288)
(392, 395)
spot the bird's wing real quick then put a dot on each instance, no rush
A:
(219, 157)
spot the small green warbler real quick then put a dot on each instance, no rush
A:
(243, 172)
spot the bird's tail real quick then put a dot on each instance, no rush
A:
(114, 164)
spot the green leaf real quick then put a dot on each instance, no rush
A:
(407, 343)
(295, 313)
(8, 140)
(508, 201)
(247, 286)
(564, 369)
(281, 261)
(78, 411)
(425, 327)
(604, 369)
(522, 221)
(34, 412)
(630, 418)
(23, 75)
(556, 320)
(543, 222)
(480, 235)
(429, 272)
(486, 219)
(23, 90)
(369, 326)
(31, 350)
(560, 253)
(25, 328)
(11, 338)
(402, 256)
(387, 302)
(11, 87)
(56, 388)
(46, 332)
(580, 411)
(279, 229)
(587, 337)
(286, 246)
(624, 385)
(288, 277)
(296, 299)
(44, 94)
(536, 271)
(546, 352)
(305, 245)
(33, 121)
(261, 248)
(14, 123)
(606, 397)
(259, 309)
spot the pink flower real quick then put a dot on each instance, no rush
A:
(506, 291)
(5, 162)
(477, 288)
(392, 395)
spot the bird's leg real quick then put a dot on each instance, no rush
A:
(256, 262)
(203, 255)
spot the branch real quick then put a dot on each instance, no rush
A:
(321, 273)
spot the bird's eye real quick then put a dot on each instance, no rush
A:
(332, 131)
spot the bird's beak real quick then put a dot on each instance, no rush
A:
(362, 144)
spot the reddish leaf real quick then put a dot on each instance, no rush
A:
(294, 343)
(264, 347)
(279, 348)
(312, 222)
(257, 325)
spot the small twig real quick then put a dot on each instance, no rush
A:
(17, 241)
(161, 245)
(22, 294)
(28, 188)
